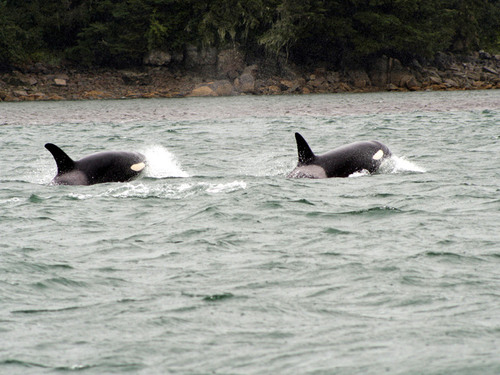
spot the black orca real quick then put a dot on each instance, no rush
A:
(110, 166)
(340, 162)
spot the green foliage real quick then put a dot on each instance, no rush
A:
(121, 32)
(11, 38)
(230, 21)
(157, 33)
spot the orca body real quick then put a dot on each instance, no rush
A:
(109, 166)
(340, 162)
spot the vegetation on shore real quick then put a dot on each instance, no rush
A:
(118, 33)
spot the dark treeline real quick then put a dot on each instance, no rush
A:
(120, 33)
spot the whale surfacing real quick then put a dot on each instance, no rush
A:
(108, 166)
(340, 162)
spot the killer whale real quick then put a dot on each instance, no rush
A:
(108, 166)
(340, 162)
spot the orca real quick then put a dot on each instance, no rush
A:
(108, 166)
(340, 162)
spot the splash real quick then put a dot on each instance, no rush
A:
(396, 164)
(392, 165)
(162, 163)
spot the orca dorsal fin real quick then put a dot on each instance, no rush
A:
(306, 156)
(63, 161)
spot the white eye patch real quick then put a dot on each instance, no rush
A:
(137, 167)
(378, 155)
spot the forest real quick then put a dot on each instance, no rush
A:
(119, 33)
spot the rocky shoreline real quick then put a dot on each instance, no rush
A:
(227, 74)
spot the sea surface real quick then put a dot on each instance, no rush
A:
(215, 263)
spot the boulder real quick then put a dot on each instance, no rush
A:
(401, 76)
(333, 77)
(217, 88)
(378, 72)
(359, 78)
(222, 88)
(204, 59)
(274, 90)
(487, 69)
(245, 83)
(443, 61)
(451, 83)
(202, 91)
(60, 82)
(287, 85)
(230, 63)
(20, 93)
(157, 58)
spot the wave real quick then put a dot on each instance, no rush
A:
(169, 191)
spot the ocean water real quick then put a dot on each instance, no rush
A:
(215, 263)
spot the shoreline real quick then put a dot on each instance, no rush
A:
(40, 83)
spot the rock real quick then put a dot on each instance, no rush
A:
(36, 96)
(442, 61)
(435, 80)
(202, 91)
(359, 78)
(92, 94)
(274, 90)
(333, 77)
(54, 97)
(450, 83)
(489, 70)
(473, 76)
(157, 58)
(230, 63)
(20, 93)
(251, 69)
(222, 88)
(378, 72)
(410, 82)
(197, 58)
(216, 88)
(133, 78)
(318, 83)
(245, 83)
(484, 55)
(39, 68)
(286, 84)
(15, 81)
(60, 82)
(177, 57)
(344, 87)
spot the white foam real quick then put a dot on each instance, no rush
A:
(136, 189)
(226, 188)
(396, 164)
(361, 173)
(162, 163)
(392, 165)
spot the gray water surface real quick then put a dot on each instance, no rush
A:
(214, 262)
